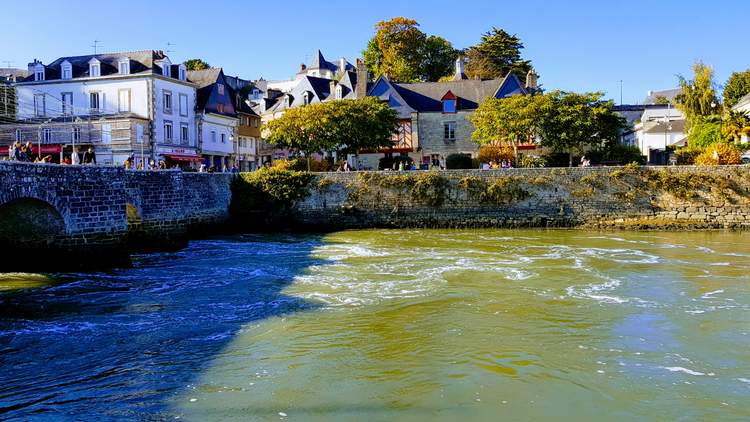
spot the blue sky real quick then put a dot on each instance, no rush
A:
(581, 45)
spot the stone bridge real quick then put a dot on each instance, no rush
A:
(54, 217)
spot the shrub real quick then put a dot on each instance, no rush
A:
(530, 161)
(687, 155)
(268, 189)
(719, 154)
(430, 188)
(458, 161)
(300, 164)
(495, 153)
(504, 191)
(705, 133)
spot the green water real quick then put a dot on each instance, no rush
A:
(496, 325)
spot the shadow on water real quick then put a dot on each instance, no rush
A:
(116, 345)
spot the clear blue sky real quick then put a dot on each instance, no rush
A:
(581, 45)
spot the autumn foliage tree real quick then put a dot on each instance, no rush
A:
(196, 64)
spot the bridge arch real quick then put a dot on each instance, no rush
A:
(28, 221)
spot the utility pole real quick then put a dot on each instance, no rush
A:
(8, 63)
(620, 91)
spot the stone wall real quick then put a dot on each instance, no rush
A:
(432, 133)
(622, 197)
(101, 214)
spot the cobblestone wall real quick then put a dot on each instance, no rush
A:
(622, 197)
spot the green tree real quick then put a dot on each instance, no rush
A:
(196, 64)
(438, 58)
(734, 125)
(697, 99)
(571, 122)
(509, 121)
(344, 126)
(661, 100)
(497, 54)
(737, 87)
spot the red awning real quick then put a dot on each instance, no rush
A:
(47, 149)
(183, 157)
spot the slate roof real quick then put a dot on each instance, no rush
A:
(141, 62)
(203, 78)
(669, 94)
(427, 96)
(320, 62)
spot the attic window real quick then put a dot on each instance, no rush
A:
(287, 101)
(39, 75)
(95, 70)
(220, 88)
(256, 92)
(339, 92)
(67, 71)
(306, 98)
(183, 73)
(124, 66)
(449, 102)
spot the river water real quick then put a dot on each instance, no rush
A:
(390, 325)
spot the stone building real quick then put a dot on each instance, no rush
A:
(434, 116)
(121, 104)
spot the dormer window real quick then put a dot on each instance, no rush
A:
(183, 73)
(449, 102)
(95, 68)
(39, 72)
(123, 66)
(220, 87)
(256, 92)
(339, 92)
(287, 100)
(306, 98)
(166, 67)
(66, 70)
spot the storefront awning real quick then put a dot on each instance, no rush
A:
(183, 157)
(47, 149)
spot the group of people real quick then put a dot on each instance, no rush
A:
(493, 164)
(25, 153)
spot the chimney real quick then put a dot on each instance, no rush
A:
(531, 80)
(362, 79)
(302, 67)
(342, 64)
(32, 65)
(459, 67)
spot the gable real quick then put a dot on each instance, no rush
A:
(510, 86)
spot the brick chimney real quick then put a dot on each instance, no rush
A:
(302, 67)
(362, 79)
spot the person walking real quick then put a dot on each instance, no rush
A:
(89, 157)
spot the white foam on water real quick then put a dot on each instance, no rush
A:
(686, 370)
(709, 295)
(745, 380)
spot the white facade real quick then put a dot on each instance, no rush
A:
(181, 113)
(218, 139)
(658, 129)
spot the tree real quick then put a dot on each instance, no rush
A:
(511, 120)
(734, 125)
(403, 53)
(344, 126)
(737, 87)
(438, 58)
(697, 99)
(661, 100)
(196, 64)
(571, 122)
(497, 54)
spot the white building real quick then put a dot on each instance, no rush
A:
(122, 104)
(660, 127)
(743, 106)
(217, 119)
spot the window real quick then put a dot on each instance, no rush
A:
(47, 135)
(449, 105)
(220, 87)
(256, 92)
(167, 102)
(213, 136)
(339, 92)
(306, 98)
(39, 75)
(223, 138)
(18, 135)
(106, 133)
(255, 122)
(124, 67)
(220, 108)
(184, 134)
(167, 131)
(139, 133)
(75, 134)
(67, 103)
(183, 74)
(287, 100)
(183, 105)
(449, 131)
(94, 103)
(95, 70)
(67, 71)
(39, 106)
(123, 100)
